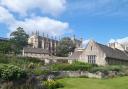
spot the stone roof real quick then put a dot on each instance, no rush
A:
(76, 55)
(113, 53)
(35, 50)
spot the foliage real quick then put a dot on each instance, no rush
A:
(29, 83)
(5, 47)
(52, 84)
(4, 58)
(105, 69)
(19, 38)
(26, 63)
(39, 71)
(65, 46)
(11, 72)
(72, 67)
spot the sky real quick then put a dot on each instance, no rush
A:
(100, 20)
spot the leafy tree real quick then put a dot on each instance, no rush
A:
(5, 47)
(65, 46)
(19, 39)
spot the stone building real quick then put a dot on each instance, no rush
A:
(43, 42)
(35, 52)
(120, 46)
(38, 45)
(96, 53)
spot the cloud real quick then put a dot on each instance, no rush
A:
(43, 25)
(122, 40)
(53, 7)
(5, 16)
(85, 42)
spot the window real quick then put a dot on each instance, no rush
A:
(91, 48)
(92, 59)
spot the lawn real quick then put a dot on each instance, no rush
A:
(86, 83)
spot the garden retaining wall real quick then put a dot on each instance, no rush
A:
(78, 74)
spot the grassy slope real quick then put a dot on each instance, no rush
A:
(85, 83)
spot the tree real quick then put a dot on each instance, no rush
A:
(5, 47)
(19, 38)
(64, 47)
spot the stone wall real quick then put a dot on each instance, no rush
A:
(98, 74)
(61, 74)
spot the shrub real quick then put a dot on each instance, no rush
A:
(4, 59)
(39, 71)
(72, 67)
(107, 68)
(11, 72)
(52, 84)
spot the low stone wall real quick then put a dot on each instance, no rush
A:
(78, 74)
(98, 74)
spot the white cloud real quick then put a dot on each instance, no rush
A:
(22, 7)
(42, 24)
(5, 16)
(122, 40)
(85, 42)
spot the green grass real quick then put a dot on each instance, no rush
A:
(86, 83)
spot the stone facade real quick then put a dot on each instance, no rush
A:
(95, 52)
(46, 43)
(35, 52)
(116, 45)
(99, 54)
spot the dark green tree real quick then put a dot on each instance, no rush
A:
(5, 47)
(64, 47)
(19, 39)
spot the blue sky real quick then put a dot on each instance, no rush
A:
(101, 20)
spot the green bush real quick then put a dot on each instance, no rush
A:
(4, 59)
(72, 67)
(39, 71)
(11, 72)
(107, 68)
(52, 84)
(18, 60)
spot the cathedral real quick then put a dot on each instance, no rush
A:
(46, 43)
(43, 42)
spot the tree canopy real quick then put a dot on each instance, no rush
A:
(5, 47)
(65, 46)
(19, 37)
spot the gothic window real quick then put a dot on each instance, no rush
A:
(92, 59)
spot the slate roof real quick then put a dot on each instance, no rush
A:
(113, 53)
(35, 50)
(76, 55)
